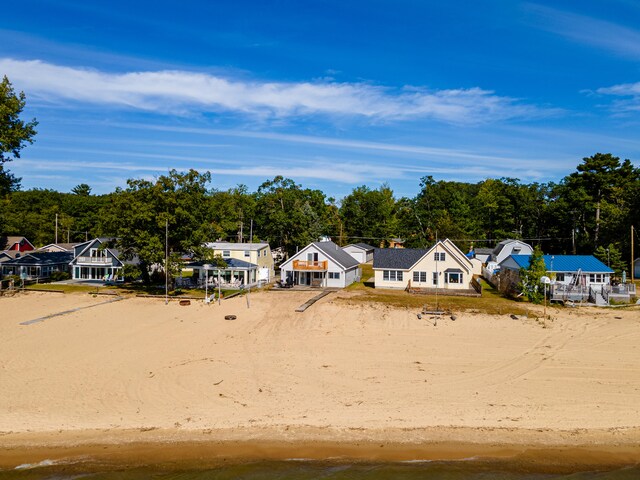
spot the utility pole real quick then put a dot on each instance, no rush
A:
(56, 228)
(632, 259)
(166, 262)
(241, 236)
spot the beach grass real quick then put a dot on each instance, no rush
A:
(66, 288)
(491, 301)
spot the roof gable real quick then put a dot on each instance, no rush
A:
(332, 251)
(406, 258)
(504, 243)
(362, 246)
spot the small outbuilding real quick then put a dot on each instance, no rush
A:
(362, 252)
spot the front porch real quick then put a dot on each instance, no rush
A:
(99, 273)
(237, 275)
(307, 279)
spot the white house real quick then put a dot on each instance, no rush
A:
(442, 266)
(573, 277)
(321, 264)
(257, 253)
(362, 252)
(510, 247)
(584, 270)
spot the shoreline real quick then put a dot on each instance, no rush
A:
(539, 450)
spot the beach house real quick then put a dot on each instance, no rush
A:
(34, 265)
(443, 266)
(258, 254)
(321, 264)
(93, 260)
(573, 277)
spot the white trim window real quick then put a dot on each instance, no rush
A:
(453, 277)
(334, 275)
(439, 257)
(226, 253)
(596, 278)
(392, 275)
(247, 253)
(420, 277)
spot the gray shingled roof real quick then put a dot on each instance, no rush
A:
(42, 258)
(334, 252)
(397, 258)
(236, 246)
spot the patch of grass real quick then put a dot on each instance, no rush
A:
(68, 288)
(367, 270)
(491, 302)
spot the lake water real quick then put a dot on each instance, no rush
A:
(311, 470)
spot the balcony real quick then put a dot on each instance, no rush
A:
(311, 265)
(94, 260)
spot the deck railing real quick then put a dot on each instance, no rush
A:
(310, 265)
(95, 260)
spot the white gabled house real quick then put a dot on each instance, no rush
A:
(321, 264)
(442, 266)
(510, 247)
(362, 252)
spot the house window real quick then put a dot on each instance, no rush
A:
(453, 277)
(392, 275)
(226, 253)
(596, 278)
(97, 253)
(435, 278)
(420, 277)
(334, 275)
(559, 277)
(516, 251)
(247, 253)
(439, 256)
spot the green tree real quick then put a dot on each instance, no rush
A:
(369, 215)
(137, 217)
(530, 284)
(601, 186)
(612, 257)
(288, 215)
(14, 132)
(83, 190)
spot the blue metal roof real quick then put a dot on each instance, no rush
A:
(567, 263)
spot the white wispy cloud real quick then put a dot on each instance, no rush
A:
(599, 33)
(628, 97)
(180, 92)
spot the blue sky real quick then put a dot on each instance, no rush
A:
(332, 94)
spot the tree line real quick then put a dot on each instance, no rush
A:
(588, 211)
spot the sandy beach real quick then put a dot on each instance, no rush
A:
(342, 378)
